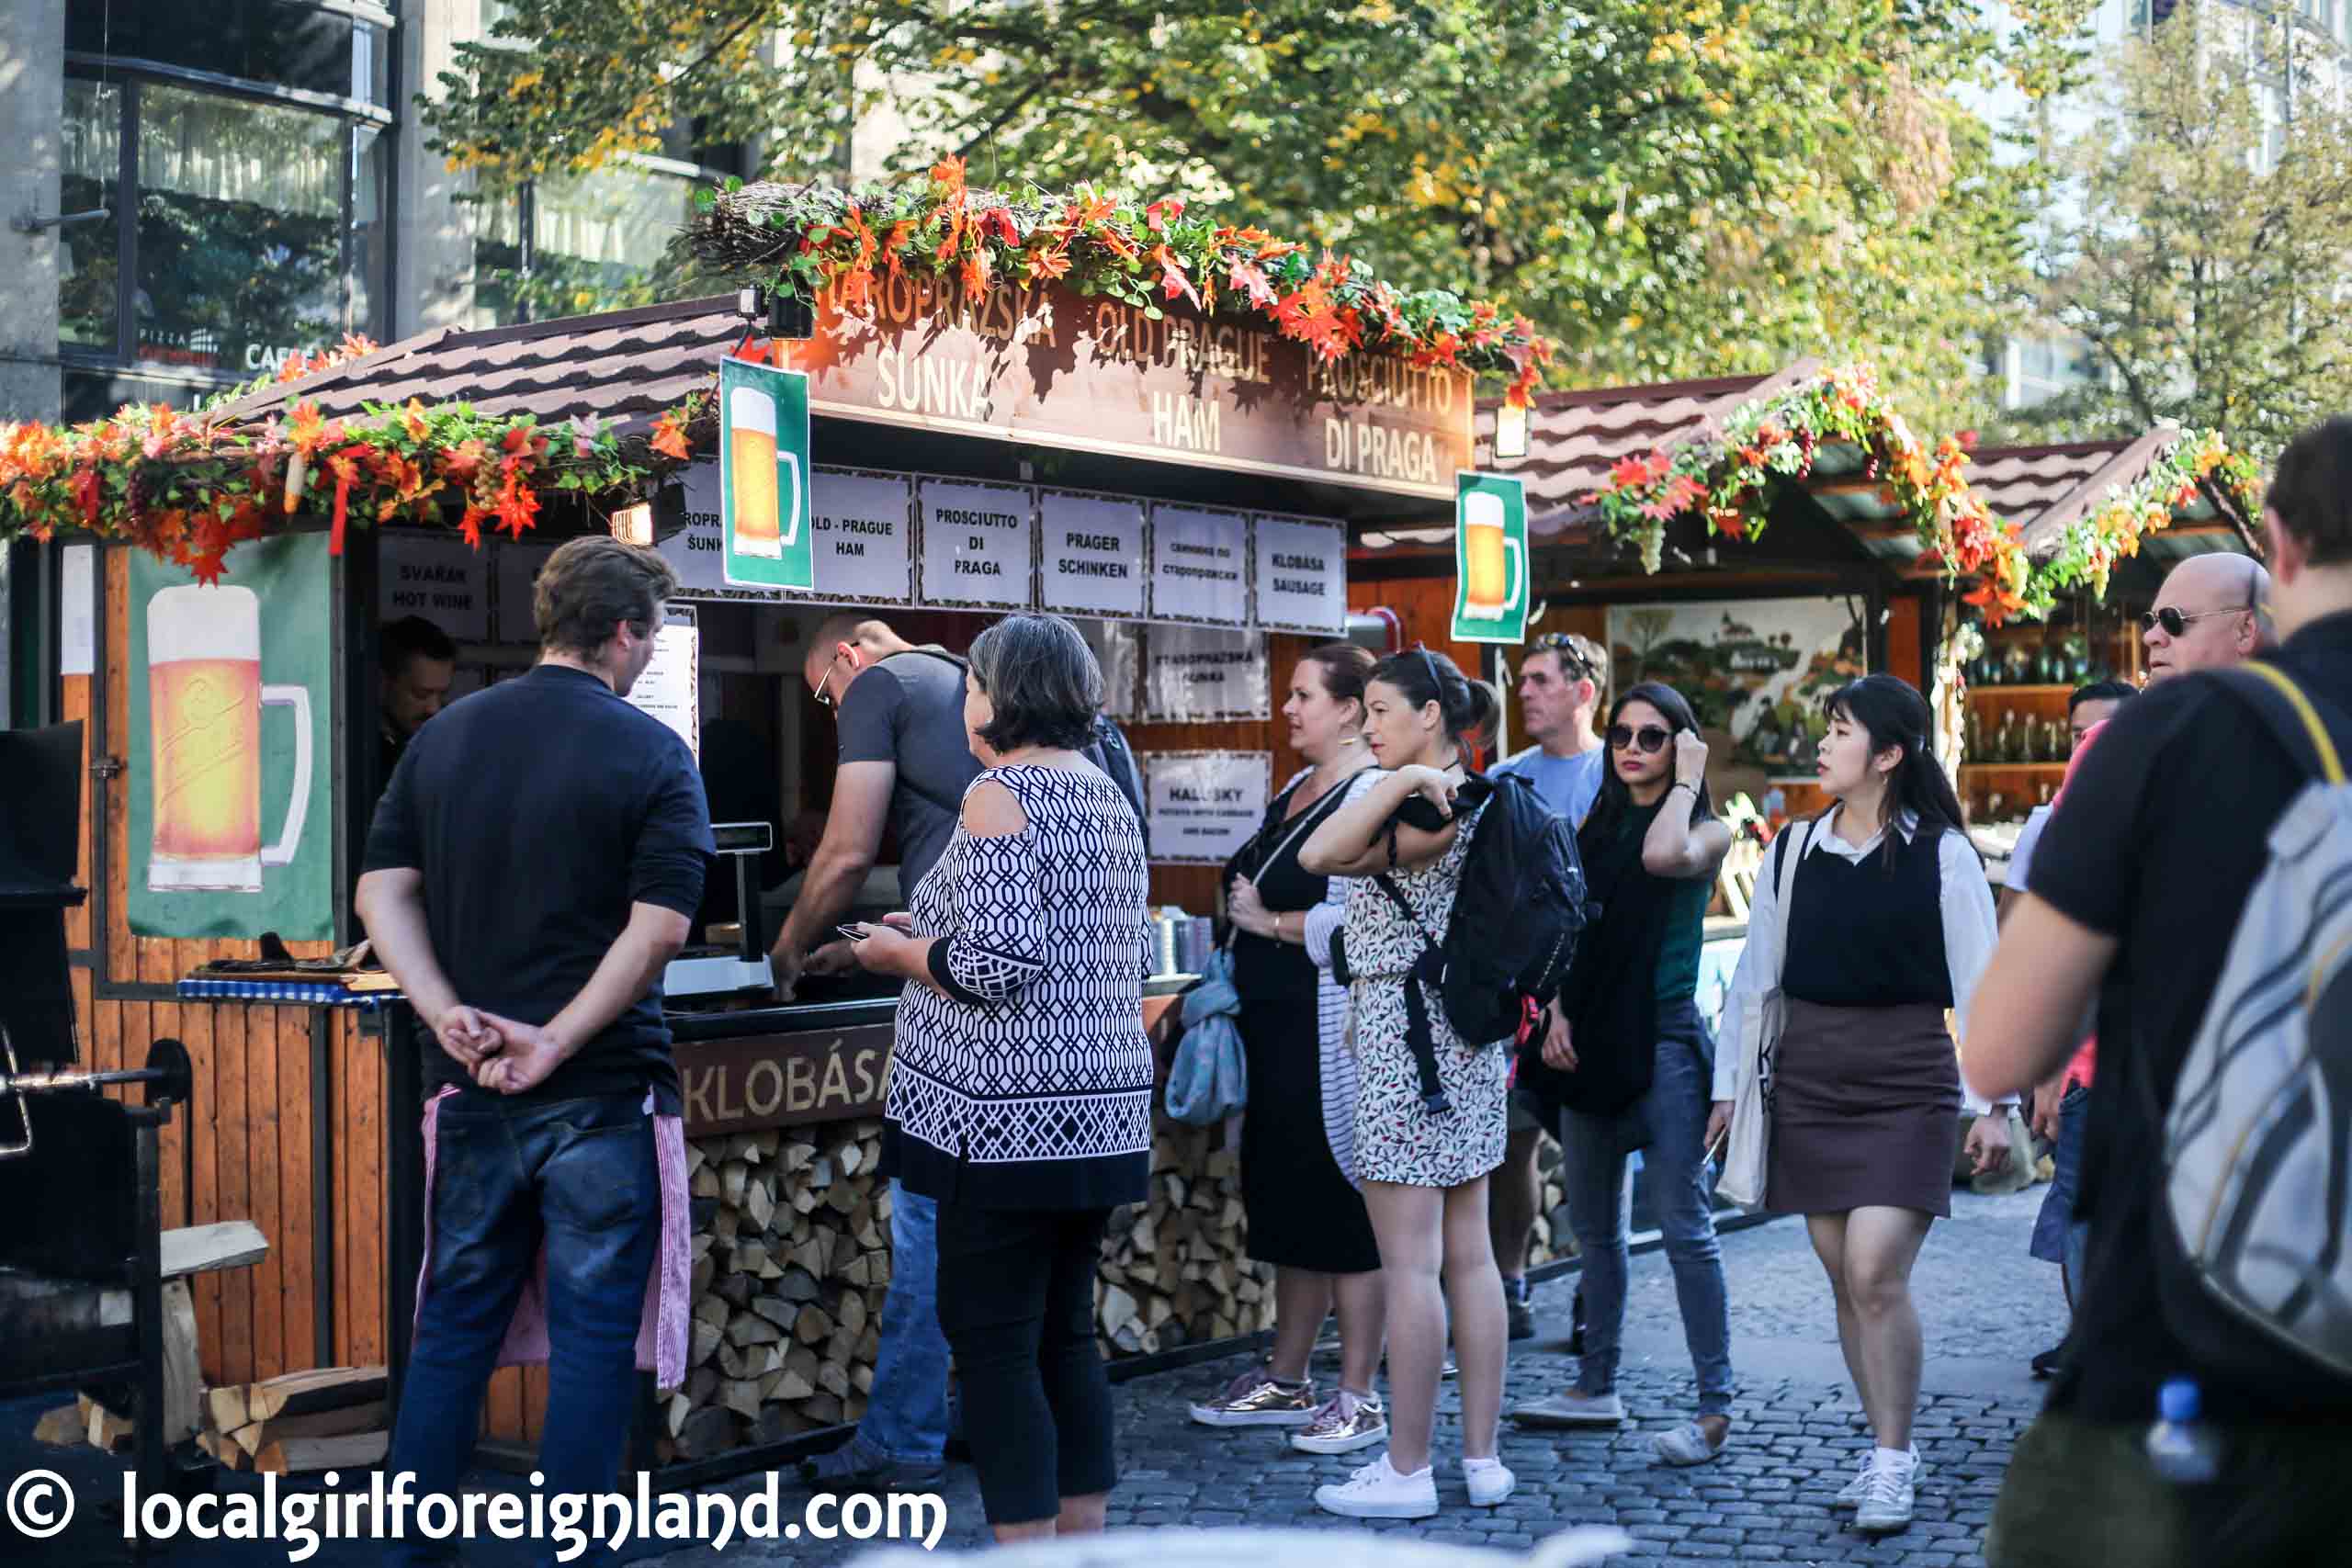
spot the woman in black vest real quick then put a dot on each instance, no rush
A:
(1298, 1134)
(1630, 1059)
(1890, 922)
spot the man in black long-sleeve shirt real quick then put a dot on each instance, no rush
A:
(535, 863)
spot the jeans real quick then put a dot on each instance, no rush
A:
(1671, 1122)
(2058, 1236)
(581, 1177)
(906, 1413)
(1018, 1306)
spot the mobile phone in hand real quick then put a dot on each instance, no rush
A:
(855, 933)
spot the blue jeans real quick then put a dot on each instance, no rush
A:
(580, 1175)
(906, 1413)
(2058, 1236)
(1671, 1123)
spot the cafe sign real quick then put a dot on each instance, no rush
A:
(1055, 368)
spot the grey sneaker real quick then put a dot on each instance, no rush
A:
(1570, 1408)
(1888, 1494)
(1687, 1445)
(1850, 1495)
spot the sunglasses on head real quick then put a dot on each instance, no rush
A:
(1573, 663)
(1650, 738)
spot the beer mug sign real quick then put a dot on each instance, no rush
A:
(205, 698)
(1490, 559)
(763, 477)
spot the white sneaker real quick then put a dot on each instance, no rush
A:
(1377, 1491)
(1490, 1482)
(1850, 1495)
(1888, 1493)
(1570, 1408)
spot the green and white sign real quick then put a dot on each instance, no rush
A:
(764, 476)
(1490, 559)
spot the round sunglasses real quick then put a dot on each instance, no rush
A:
(1650, 738)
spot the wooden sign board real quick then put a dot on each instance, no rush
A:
(783, 1080)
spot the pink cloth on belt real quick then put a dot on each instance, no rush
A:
(661, 1327)
(2085, 1064)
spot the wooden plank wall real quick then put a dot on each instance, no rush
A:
(244, 1148)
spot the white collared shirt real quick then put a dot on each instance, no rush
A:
(1971, 930)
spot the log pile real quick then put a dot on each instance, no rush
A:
(332, 1418)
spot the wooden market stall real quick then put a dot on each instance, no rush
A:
(1221, 461)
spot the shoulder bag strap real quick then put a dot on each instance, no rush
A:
(1784, 880)
(2304, 726)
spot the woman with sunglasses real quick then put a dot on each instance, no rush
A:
(1423, 1171)
(1889, 923)
(1628, 1055)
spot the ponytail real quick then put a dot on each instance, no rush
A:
(1467, 709)
(1894, 713)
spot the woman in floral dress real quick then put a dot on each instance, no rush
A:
(1424, 1173)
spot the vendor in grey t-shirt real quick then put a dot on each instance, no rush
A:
(904, 761)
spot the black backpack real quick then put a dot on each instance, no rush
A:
(1109, 752)
(1512, 935)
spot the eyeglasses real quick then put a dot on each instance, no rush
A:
(1651, 738)
(824, 697)
(2176, 624)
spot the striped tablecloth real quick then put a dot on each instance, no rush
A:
(293, 993)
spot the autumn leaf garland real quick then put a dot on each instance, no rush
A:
(810, 239)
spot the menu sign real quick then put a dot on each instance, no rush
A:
(697, 552)
(1199, 561)
(1204, 806)
(1193, 674)
(862, 526)
(671, 685)
(1093, 562)
(1055, 368)
(1302, 574)
(446, 581)
(978, 546)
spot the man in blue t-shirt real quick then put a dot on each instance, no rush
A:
(1562, 683)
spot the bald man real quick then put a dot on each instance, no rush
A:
(2212, 611)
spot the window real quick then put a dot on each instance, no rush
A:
(255, 150)
(599, 242)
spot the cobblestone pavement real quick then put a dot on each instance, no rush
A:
(1986, 1309)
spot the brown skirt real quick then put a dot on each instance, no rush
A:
(1864, 1103)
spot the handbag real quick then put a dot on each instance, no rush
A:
(1207, 1081)
(1747, 1156)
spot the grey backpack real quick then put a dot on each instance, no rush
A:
(2257, 1147)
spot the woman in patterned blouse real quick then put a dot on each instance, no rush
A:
(1021, 1082)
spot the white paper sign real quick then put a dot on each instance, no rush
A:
(1119, 652)
(860, 527)
(671, 687)
(1204, 806)
(698, 555)
(1198, 562)
(1193, 674)
(977, 544)
(443, 578)
(1302, 574)
(518, 572)
(1093, 562)
(77, 611)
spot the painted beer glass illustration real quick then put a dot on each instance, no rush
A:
(1495, 572)
(765, 520)
(205, 698)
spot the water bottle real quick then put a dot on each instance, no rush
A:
(2184, 1450)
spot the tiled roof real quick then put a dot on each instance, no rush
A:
(2043, 488)
(621, 365)
(1573, 438)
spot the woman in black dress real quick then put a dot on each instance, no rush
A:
(1305, 1216)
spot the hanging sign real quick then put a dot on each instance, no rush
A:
(1193, 674)
(1204, 806)
(1093, 558)
(1301, 574)
(863, 523)
(1199, 563)
(670, 687)
(763, 475)
(697, 552)
(517, 575)
(1490, 559)
(446, 581)
(978, 545)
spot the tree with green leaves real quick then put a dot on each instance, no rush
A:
(1671, 187)
(2197, 248)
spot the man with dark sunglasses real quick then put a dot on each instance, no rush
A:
(1562, 682)
(2211, 612)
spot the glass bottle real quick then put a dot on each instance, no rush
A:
(2008, 746)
